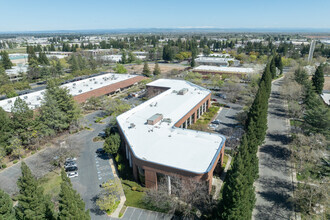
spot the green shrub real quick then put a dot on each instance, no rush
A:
(4, 166)
(33, 152)
(134, 188)
(118, 158)
(15, 161)
(23, 156)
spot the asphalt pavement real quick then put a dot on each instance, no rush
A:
(274, 186)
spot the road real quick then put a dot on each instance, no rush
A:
(274, 186)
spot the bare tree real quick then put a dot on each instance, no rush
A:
(186, 196)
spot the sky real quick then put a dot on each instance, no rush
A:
(42, 15)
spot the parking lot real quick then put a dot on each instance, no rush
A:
(132, 213)
(93, 168)
(229, 126)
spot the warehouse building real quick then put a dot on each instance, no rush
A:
(156, 138)
(80, 90)
(238, 71)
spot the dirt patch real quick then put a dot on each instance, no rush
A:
(326, 83)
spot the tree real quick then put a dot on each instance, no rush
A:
(22, 120)
(5, 128)
(301, 76)
(273, 67)
(108, 201)
(31, 202)
(156, 71)
(317, 119)
(146, 71)
(74, 64)
(71, 206)
(123, 58)
(131, 57)
(4, 78)
(168, 53)
(318, 79)
(193, 63)
(112, 144)
(7, 211)
(5, 60)
(278, 63)
(120, 68)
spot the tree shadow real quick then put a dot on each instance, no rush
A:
(279, 138)
(96, 210)
(276, 151)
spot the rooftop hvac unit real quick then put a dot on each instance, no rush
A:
(154, 119)
(74, 84)
(183, 91)
(132, 125)
(80, 91)
(168, 120)
(95, 82)
(25, 97)
(10, 101)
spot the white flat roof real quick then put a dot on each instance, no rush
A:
(164, 144)
(213, 59)
(224, 69)
(75, 88)
(326, 98)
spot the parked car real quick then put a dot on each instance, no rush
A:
(72, 174)
(100, 151)
(71, 169)
(102, 134)
(71, 159)
(214, 100)
(213, 126)
(221, 95)
(216, 122)
(70, 164)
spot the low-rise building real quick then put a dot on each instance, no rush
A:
(157, 139)
(238, 71)
(80, 90)
(216, 61)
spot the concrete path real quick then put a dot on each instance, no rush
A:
(274, 186)
(218, 182)
(132, 213)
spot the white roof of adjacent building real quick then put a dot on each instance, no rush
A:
(16, 70)
(213, 59)
(326, 98)
(163, 143)
(75, 88)
(224, 69)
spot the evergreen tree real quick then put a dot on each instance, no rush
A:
(273, 67)
(234, 205)
(168, 53)
(301, 76)
(71, 206)
(318, 79)
(279, 63)
(74, 63)
(5, 128)
(31, 202)
(52, 47)
(146, 70)
(4, 78)
(193, 63)
(59, 68)
(131, 57)
(22, 120)
(123, 58)
(5, 60)
(7, 211)
(157, 70)
(81, 62)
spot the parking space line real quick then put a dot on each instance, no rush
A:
(140, 215)
(132, 213)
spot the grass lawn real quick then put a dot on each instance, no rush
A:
(134, 198)
(295, 123)
(225, 160)
(51, 183)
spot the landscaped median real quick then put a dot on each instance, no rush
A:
(202, 123)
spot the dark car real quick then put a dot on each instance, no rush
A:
(100, 151)
(216, 122)
(71, 169)
(221, 95)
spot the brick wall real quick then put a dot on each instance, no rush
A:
(107, 89)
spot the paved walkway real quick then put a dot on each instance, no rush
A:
(132, 213)
(274, 186)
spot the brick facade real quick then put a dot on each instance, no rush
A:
(107, 89)
(151, 169)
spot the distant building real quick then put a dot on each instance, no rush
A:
(326, 97)
(216, 61)
(80, 90)
(238, 71)
(157, 139)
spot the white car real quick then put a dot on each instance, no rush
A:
(213, 126)
(72, 174)
(71, 159)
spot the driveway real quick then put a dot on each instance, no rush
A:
(274, 186)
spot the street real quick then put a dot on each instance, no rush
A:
(274, 186)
